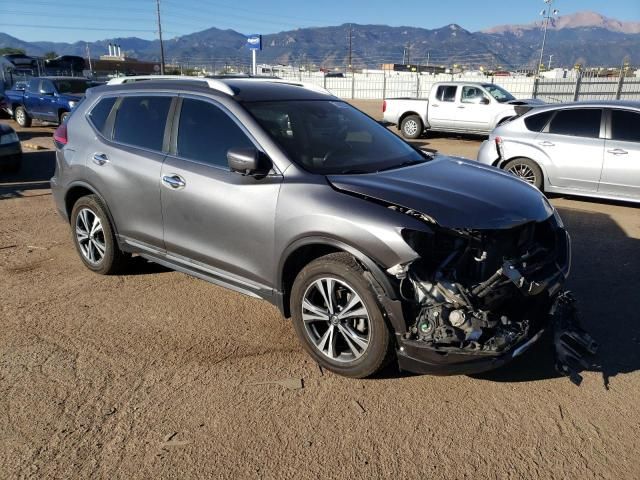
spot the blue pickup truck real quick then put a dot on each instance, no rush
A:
(49, 99)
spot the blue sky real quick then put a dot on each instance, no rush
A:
(71, 20)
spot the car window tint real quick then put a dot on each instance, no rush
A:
(140, 121)
(100, 112)
(34, 85)
(446, 93)
(46, 86)
(625, 126)
(578, 122)
(206, 133)
(536, 123)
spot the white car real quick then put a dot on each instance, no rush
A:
(459, 107)
(584, 148)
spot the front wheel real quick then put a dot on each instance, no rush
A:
(22, 117)
(527, 170)
(411, 127)
(337, 318)
(63, 117)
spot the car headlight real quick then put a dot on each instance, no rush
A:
(72, 104)
(9, 138)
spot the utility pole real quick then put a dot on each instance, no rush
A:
(160, 36)
(547, 14)
(549, 66)
(351, 48)
(89, 58)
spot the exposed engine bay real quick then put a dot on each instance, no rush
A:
(484, 292)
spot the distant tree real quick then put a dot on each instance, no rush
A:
(10, 50)
(50, 55)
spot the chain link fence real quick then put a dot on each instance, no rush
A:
(377, 86)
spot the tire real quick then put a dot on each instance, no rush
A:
(63, 117)
(100, 245)
(411, 126)
(21, 117)
(362, 344)
(527, 170)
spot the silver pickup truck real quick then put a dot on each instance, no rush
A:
(460, 107)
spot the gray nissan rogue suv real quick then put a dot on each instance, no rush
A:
(375, 249)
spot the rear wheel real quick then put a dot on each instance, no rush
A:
(94, 237)
(63, 117)
(337, 318)
(527, 170)
(411, 126)
(22, 118)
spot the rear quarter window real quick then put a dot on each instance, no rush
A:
(100, 112)
(535, 123)
(625, 126)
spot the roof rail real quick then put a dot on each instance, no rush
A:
(212, 83)
(217, 83)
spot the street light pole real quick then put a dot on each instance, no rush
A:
(550, 57)
(160, 36)
(547, 14)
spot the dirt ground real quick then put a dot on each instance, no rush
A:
(158, 375)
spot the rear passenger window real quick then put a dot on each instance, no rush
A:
(206, 133)
(625, 126)
(100, 112)
(140, 121)
(536, 123)
(578, 122)
(446, 93)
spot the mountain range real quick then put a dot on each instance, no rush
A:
(586, 37)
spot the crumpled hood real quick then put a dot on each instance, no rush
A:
(456, 193)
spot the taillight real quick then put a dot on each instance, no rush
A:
(499, 147)
(384, 106)
(60, 135)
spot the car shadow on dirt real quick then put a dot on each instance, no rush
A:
(26, 135)
(604, 279)
(36, 171)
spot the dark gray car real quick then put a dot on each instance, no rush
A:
(284, 192)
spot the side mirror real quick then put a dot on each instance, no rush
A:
(485, 101)
(247, 161)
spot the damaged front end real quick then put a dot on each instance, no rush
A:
(479, 298)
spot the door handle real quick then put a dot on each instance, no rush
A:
(100, 158)
(618, 151)
(546, 144)
(460, 106)
(435, 105)
(174, 181)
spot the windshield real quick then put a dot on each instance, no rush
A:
(332, 137)
(71, 86)
(499, 93)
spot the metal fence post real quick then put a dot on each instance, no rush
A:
(324, 81)
(620, 84)
(576, 93)
(417, 85)
(353, 85)
(384, 86)
(536, 83)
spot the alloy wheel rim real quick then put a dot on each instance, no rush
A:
(20, 116)
(411, 127)
(336, 320)
(90, 236)
(524, 172)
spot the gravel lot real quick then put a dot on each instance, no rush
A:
(159, 375)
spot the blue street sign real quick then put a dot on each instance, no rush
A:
(254, 42)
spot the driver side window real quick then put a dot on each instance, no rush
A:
(473, 95)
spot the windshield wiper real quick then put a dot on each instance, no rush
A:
(403, 164)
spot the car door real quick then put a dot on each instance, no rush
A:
(573, 142)
(216, 220)
(32, 98)
(621, 169)
(48, 101)
(474, 112)
(125, 163)
(443, 108)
